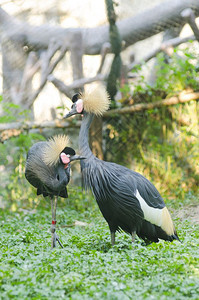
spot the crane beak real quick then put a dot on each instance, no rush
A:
(72, 112)
(76, 157)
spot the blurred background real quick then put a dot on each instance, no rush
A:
(145, 52)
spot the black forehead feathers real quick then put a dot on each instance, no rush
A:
(69, 150)
(76, 97)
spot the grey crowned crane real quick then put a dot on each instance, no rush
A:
(48, 170)
(126, 199)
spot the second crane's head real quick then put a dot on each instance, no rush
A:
(94, 101)
(57, 156)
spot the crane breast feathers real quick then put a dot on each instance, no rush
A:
(96, 100)
(52, 149)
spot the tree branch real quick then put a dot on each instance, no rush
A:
(82, 41)
(134, 29)
(105, 49)
(67, 90)
(170, 43)
(47, 69)
(189, 16)
(8, 130)
(181, 98)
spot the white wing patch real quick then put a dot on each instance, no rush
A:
(153, 215)
(157, 216)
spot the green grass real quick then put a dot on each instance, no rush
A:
(88, 267)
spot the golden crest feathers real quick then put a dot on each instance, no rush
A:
(54, 146)
(96, 100)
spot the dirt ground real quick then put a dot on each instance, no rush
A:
(191, 213)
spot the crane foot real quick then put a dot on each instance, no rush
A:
(57, 239)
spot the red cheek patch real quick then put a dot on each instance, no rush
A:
(64, 158)
(79, 106)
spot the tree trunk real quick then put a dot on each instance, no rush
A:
(16, 35)
(14, 61)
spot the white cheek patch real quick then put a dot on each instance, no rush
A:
(153, 215)
(79, 106)
(65, 159)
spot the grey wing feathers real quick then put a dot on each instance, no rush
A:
(130, 181)
(148, 191)
(107, 183)
(120, 184)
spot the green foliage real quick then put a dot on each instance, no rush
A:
(172, 76)
(12, 112)
(15, 189)
(60, 110)
(162, 142)
(88, 267)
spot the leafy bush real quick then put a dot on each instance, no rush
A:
(88, 267)
(15, 189)
(12, 112)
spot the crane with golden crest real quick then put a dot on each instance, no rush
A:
(48, 170)
(126, 199)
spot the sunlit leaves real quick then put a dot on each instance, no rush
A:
(88, 267)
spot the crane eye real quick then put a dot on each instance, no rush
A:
(58, 177)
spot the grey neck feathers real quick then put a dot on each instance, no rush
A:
(84, 136)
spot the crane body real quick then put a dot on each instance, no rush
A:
(48, 170)
(126, 199)
(48, 180)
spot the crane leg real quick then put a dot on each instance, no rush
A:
(112, 238)
(53, 241)
(55, 237)
(133, 234)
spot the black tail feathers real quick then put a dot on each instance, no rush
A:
(153, 233)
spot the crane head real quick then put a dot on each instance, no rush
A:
(77, 106)
(55, 151)
(95, 101)
(67, 155)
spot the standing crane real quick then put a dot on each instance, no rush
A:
(126, 199)
(48, 170)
